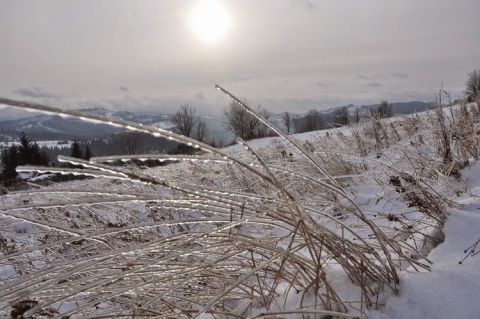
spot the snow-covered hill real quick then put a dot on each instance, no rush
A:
(73, 127)
(328, 223)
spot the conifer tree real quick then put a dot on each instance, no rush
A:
(76, 151)
(25, 149)
(10, 160)
(30, 153)
(44, 158)
(27, 153)
(88, 154)
(39, 157)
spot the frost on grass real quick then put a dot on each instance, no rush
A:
(313, 225)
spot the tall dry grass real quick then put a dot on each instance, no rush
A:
(250, 236)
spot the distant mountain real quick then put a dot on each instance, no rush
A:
(411, 107)
(57, 126)
(153, 119)
(53, 127)
(8, 113)
(398, 108)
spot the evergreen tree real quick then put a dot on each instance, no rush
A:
(44, 158)
(27, 153)
(88, 154)
(25, 149)
(10, 160)
(39, 157)
(76, 151)
(35, 155)
(30, 153)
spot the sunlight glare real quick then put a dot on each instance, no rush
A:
(210, 20)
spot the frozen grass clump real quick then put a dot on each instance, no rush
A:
(227, 235)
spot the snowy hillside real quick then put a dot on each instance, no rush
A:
(73, 127)
(364, 221)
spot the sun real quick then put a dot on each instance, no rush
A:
(210, 20)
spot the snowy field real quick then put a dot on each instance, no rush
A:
(49, 144)
(450, 289)
(374, 220)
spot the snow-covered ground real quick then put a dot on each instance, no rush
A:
(451, 288)
(275, 231)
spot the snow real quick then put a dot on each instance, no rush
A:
(105, 208)
(451, 289)
(21, 227)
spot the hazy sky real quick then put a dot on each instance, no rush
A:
(283, 54)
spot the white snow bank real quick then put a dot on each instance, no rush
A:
(450, 290)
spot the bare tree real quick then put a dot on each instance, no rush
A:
(130, 142)
(313, 121)
(240, 122)
(185, 120)
(287, 121)
(262, 130)
(473, 86)
(341, 116)
(356, 115)
(384, 110)
(244, 124)
(201, 131)
(297, 123)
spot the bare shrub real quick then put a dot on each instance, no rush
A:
(443, 137)
(411, 124)
(465, 135)
(375, 129)
(473, 86)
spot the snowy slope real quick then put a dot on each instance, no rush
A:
(216, 232)
(451, 289)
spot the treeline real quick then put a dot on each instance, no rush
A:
(8, 136)
(315, 120)
(129, 143)
(245, 125)
(26, 153)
